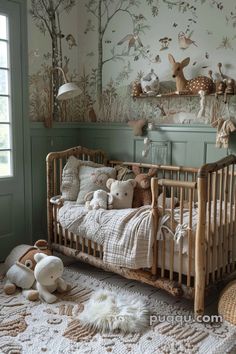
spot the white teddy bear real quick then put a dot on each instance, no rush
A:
(48, 272)
(100, 200)
(121, 193)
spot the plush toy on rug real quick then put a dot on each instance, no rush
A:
(121, 193)
(48, 272)
(142, 191)
(19, 268)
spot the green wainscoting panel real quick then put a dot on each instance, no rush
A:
(177, 145)
(212, 154)
(158, 152)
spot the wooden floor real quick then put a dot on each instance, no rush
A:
(117, 280)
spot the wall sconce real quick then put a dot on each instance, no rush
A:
(66, 91)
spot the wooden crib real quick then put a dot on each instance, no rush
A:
(211, 250)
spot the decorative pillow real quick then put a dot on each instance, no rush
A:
(92, 179)
(70, 177)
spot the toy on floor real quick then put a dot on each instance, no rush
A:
(48, 272)
(19, 268)
(142, 190)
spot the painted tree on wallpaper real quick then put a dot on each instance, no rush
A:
(46, 14)
(133, 34)
(104, 11)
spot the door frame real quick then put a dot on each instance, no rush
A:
(26, 163)
(25, 121)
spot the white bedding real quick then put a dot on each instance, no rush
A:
(126, 234)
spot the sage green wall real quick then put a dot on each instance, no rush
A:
(178, 145)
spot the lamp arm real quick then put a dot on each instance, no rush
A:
(62, 71)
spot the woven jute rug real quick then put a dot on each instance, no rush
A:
(36, 327)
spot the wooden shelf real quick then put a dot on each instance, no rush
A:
(143, 95)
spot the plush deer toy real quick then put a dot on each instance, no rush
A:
(192, 86)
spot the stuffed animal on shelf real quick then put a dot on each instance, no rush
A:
(150, 83)
(99, 199)
(121, 193)
(19, 268)
(48, 272)
(192, 86)
(136, 89)
(142, 191)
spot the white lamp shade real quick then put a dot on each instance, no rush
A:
(68, 90)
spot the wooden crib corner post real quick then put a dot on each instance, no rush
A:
(155, 219)
(200, 255)
(49, 168)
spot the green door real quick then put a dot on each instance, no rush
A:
(12, 189)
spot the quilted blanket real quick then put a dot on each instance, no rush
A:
(125, 234)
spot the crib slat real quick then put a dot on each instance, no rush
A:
(181, 239)
(60, 234)
(66, 237)
(172, 243)
(225, 233)
(190, 224)
(215, 236)
(54, 210)
(55, 177)
(220, 257)
(94, 249)
(72, 236)
(100, 251)
(209, 240)
(83, 244)
(234, 228)
(231, 201)
(77, 242)
(60, 169)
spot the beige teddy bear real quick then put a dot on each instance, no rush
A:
(121, 193)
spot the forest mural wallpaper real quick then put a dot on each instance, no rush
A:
(105, 45)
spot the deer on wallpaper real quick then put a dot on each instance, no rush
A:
(193, 86)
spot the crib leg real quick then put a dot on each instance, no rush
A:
(200, 255)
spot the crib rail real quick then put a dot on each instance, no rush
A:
(170, 208)
(216, 231)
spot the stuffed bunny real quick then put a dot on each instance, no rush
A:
(142, 191)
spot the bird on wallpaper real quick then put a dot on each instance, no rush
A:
(133, 40)
(184, 41)
(71, 41)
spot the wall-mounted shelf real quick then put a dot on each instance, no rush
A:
(170, 95)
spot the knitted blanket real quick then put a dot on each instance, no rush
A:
(126, 234)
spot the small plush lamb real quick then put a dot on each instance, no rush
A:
(142, 191)
(48, 272)
(97, 200)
